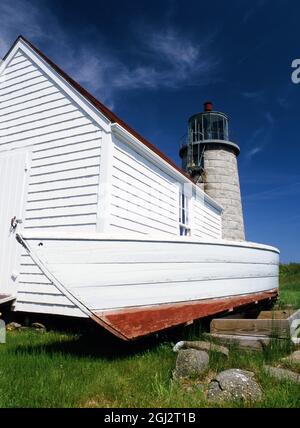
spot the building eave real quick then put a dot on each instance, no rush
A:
(117, 124)
(168, 168)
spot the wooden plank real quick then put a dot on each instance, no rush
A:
(46, 299)
(255, 343)
(20, 70)
(144, 167)
(27, 97)
(64, 187)
(139, 321)
(122, 181)
(88, 274)
(51, 309)
(25, 129)
(4, 299)
(88, 169)
(251, 327)
(61, 211)
(136, 218)
(63, 194)
(33, 278)
(35, 101)
(45, 129)
(136, 195)
(37, 288)
(143, 176)
(278, 315)
(294, 316)
(45, 84)
(17, 60)
(19, 66)
(66, 152)
(149, 212)
(91, 169)
(136, 158)
(13, 85)
(29, 119)
(151, 249)
(71, 201)
(42, 109)
(78, 219)
(74, 163)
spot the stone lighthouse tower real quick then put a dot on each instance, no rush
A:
(210, 158)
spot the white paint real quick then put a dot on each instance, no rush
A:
(12, 182)
(37, 116)
(86, 175)
(103, 273)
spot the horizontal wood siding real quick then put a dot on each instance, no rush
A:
(207, 221)
(143, 198)
(65, 145)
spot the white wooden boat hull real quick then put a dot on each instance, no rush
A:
(136, 286)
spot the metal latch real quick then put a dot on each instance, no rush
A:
(14, 222)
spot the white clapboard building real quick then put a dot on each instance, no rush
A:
(96, 222)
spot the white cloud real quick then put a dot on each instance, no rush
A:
(22, 16)
(286, 190)
(260, 138)
(254, 151)
(270, 118)
(166, 60)
(255, 95)
(163, 59)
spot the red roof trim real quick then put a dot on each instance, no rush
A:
(99, 106)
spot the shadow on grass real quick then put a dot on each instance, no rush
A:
(85, 339)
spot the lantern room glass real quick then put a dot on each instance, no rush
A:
(208, 126)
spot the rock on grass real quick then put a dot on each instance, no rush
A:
(201, 346)
(282, 374)
(191, 362)
(293, 358)
(234, 385)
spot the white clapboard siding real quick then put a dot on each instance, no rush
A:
(27, 121)
(143, 197)
(74, 183)
(66, 147)
(207, 222)
(63, 182)
(9, 88)
(14, 96)
(32, 102)
(36, 113)
(18, 66)
(18, 75)
(33, 96)
(37, 294)
(69, 201)
(134, 194)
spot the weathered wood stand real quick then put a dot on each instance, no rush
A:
(257, 333)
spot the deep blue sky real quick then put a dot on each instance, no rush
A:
(155, 62)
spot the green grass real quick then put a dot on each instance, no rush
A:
(58, 369)
(290, 285)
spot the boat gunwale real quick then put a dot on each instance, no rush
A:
(67, 236)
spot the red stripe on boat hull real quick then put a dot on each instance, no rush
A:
(132, 323)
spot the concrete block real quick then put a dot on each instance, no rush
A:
(2, 332)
